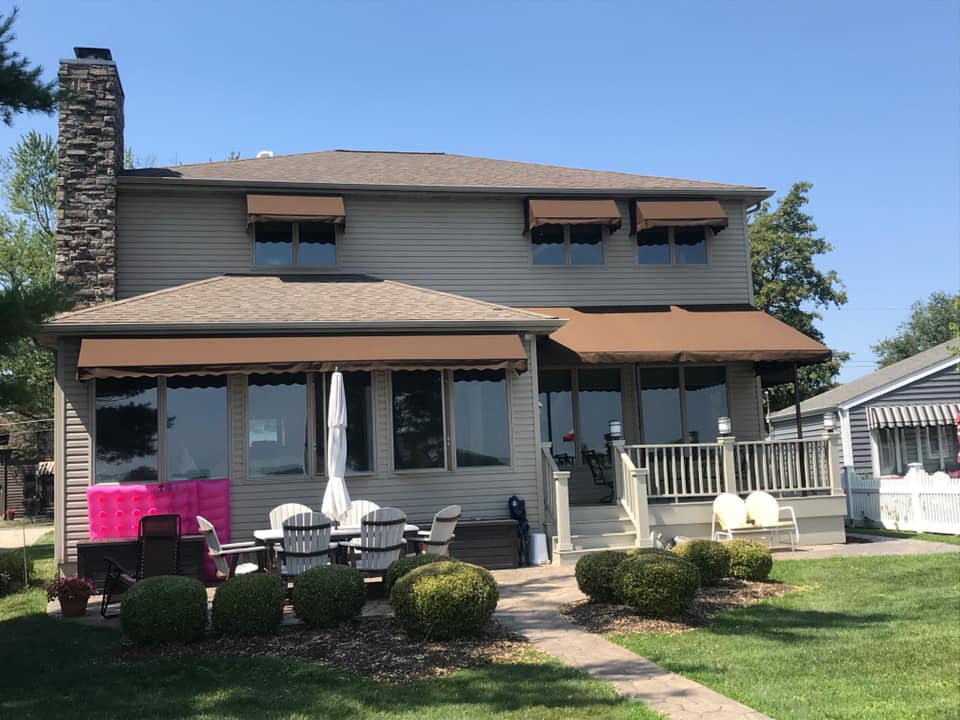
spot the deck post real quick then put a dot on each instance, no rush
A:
(726, 443)
(832, 440)
(561, 480)
(638, 476)
(619, 447)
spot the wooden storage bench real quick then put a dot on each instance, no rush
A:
(489, 543)
(91, 556)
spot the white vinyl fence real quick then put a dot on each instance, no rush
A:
(919, 502)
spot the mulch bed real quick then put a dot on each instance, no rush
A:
(374, 647)
(603, 618)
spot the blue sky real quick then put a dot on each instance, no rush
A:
(860, 98)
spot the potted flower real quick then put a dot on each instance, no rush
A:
(10, 514)
(73, 594)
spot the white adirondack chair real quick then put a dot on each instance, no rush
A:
(281, 513)
(226, 557)
(306, 543)
(358, 508)
(380, 541)
(437, 538)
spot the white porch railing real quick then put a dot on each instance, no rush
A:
(631, 493)
(782, 466)
(680, 471)
(556, 497)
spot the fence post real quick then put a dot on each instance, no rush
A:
(832, 440)
(642, 525)
(726, 443)
(562, 482)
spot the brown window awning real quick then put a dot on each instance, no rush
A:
(572, 212)
(292, 208)
(141, 357)
(674, 335)
(679, 213)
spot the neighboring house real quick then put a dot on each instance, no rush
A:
(901, 414)
(478, 308)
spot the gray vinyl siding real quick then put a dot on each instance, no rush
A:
(472, 246)
(786, 428)
(76, 425)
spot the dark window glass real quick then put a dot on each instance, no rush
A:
(196, 427)
(690, 245)
(888, 451)
(556, 414)
(359, 397)
(586, 245)
(660, 405)
(418, 440)
(277, 424)
(547, 245)
(480, 417)
(653, 246)
(317, 243)
(600, 402)
(273, 243)
(706, 402)
(126, 430)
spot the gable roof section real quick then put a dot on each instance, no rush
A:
(278, 304)
(880, 381)
(438, 171)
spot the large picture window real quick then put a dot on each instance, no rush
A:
(358, 389)
(480, 417)
(933, 447)
(277, 424)
(127, 438)
(592, 396)
(196, 445)
(418, 420)
(682, 404)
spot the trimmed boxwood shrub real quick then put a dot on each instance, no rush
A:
(655, 585)
(169, 608)
(749, 560)
(399, 568)
(327, 596)
(595, 574)
(711, 558)
(444, 600)
(249, 605)
(11, 564)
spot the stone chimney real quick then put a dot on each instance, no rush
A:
(89, 159)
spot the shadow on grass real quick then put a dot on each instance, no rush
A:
(786, 624)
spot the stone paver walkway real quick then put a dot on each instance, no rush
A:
(529, 603)
(531, 597)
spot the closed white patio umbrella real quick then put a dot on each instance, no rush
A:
(336, 499)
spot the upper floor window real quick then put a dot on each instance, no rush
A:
(672, 246)
(301, 244)
(567, 244)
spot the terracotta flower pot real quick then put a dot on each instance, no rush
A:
(74, 607)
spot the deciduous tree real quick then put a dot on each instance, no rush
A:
(929, 324)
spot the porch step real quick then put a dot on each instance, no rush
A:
(570, 557)
(596, 513)
(603, 541)
(601, 527)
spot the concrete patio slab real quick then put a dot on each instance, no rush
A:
(13, 536)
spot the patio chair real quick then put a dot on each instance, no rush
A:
(765, 512)
(306, 543)
(437, 539)
(593, 462)
(226, 557)
(380, 541)
(358, 508)
(281, 513)
(730, 518)
(158, 553)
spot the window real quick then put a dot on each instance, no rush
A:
(358, 389)
(933, 447)
(682, 404)
(277, 424)
(600, 402)
(567, 244)
(595, 393)
(126, 430)
(556, 413)
(418, 420)
(481, 417)
(196, 440)
(672, 246)
(301, 244)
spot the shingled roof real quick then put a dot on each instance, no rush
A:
(277, 304)
(346, 168)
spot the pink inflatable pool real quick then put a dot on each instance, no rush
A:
(114, 511)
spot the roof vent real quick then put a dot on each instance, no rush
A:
(91, 53)
(264, 154)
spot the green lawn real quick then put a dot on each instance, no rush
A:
(875, 637)
(931, 537)
(53, 669)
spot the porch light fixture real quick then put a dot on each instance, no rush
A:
(615, 429)
(724, 427)
(829, 423)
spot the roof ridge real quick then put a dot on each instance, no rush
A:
(475, 301)
(127, 301)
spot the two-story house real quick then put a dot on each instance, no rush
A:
(477, 308)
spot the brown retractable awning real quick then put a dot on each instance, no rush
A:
(295, 207)
(674, 335)
(572, 212)
(679, 213)
(133, 357)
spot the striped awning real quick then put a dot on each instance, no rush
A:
(45, 467)
(884, 416)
